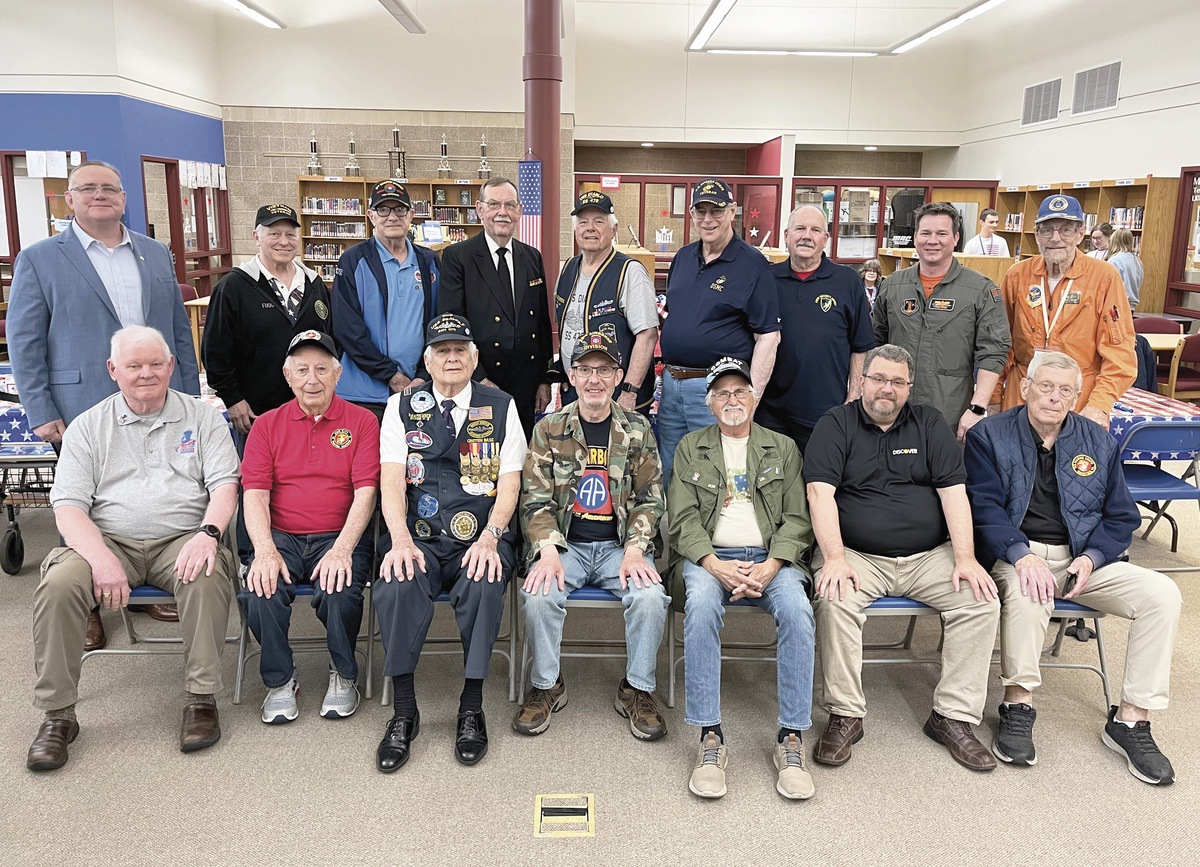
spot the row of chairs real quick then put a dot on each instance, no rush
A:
(1180, 377)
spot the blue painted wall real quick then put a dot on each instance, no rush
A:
(116, 129)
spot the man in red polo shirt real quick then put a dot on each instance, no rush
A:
(310, 474)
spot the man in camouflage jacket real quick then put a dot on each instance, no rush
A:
(591, 500)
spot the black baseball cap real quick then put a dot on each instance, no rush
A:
(594, 199)
(312, 338)
(447, 327)
(389, 191)
(596, 342)
(712, 190)
(724, 366)
(268, 215)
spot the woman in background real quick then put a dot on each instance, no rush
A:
(1100, 236)
(1121, 256)
(871, 272)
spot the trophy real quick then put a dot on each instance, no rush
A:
(314, 161)
(397, 158)
(352, 169)
(485, 170)
(443, 170)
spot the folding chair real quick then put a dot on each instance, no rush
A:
(1153, 487)
(1183, 380)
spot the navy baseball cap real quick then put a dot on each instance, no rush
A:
(447, 327)
(1060, 208)
(593, 199)
(724, 366)
(596, 342)
(312, 338)
(713, 190)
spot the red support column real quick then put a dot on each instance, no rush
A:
(542, 71)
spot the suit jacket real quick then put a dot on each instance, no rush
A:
(515, 345)
(60, 322)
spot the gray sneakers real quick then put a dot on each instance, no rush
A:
(794, 781)
(280, 704)
(708, 777)
(341, 699)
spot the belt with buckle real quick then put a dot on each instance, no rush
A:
(686, 372)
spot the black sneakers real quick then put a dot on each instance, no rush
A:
(1014, 738)
(1142, 755)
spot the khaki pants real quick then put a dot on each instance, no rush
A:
(1149, 599)
(969, 630)
(63, 599)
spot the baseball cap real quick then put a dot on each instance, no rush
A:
(596, 342)
(724, 366)
(268, 215)
(712, 190)
(593, 199)
(389, 191)
(1060, 208)
(447, 327)
(312, 338)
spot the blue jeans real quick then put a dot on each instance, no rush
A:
(597, 564)
(340, 612)
(681, 411)
(786, 600)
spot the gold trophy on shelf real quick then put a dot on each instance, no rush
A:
(314, 159)
(443, 169)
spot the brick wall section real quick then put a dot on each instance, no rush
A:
(661, 161)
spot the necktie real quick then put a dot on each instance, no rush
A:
(447, 417)
(502, 270)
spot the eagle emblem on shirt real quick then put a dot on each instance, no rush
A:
(825, 302)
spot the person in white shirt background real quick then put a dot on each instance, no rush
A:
(987, 242)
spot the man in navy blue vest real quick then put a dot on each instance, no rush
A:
(602, 290)
(451, 452)
(1053, 517)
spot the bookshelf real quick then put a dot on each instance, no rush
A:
(333, 213)
(1145, 206)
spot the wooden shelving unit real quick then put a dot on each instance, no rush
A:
(333, 213)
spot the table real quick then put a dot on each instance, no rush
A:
(1138, 407)
(1164, 342)
(195, 311)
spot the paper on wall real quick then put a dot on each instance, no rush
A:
(35, 164)
(76, 158)
(56, 164)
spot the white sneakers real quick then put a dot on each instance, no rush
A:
(280, 704)
(341, 700)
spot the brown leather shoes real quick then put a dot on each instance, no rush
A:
(48, 752)
(94, 638)
(201, 727)
(841, 733)
(958, 738)
(168, 613)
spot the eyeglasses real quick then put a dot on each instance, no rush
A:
(725, 394)
(704, 213)
(881, 381)
(400, 211)
(90, 190)
(1048, 231)
(604, 371)
(493, 205)
(1046, 388)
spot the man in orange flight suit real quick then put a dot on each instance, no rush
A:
(1081, 302)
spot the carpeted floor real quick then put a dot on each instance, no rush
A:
(308, 793)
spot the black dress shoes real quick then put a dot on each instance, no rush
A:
(48, 752)
(397, 742)
(471, 743)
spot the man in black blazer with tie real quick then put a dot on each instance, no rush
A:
(499, 284)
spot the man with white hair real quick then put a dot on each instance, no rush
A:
(603, 290)
(451, 453)
(145, 487)
(310, 475)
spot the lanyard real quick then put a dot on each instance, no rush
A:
(1062, 299)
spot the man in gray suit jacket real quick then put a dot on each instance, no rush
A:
(72, 292)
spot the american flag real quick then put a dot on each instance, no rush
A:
(529, 191)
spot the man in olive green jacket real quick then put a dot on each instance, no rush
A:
(591, 501)
(740, 529)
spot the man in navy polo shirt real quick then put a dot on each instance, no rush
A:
(826, 329)
(720, 301)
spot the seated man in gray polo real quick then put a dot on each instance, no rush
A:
(1053, 514)
(145, 486)
(591, 501)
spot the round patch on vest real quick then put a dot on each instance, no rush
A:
(463, 526)
(418, 439)
(1083, 465)
(427, 506)
(423, 530)
(322, 310)
(1035, 296)
(422, 401)
(341, 438)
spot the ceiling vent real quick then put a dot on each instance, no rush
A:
(1041, 102)
(1096, 89)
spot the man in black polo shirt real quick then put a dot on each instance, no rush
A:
(720, 301)
(886, 489)
(826, 331)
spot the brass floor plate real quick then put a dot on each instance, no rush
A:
(564, 816)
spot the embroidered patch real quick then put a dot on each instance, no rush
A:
(321, 309)
(341, 438)
(417, 439)
(464, 525)
(424, 531)
(1083, 465)
(416, 470)
(826, 302)
(187, 444)
(427, 506)
(1035, 296)
(718, 284)
(422, 401)
(996, 293)
(909, 307)
(478, 430)
(479, 412)
(943, 304)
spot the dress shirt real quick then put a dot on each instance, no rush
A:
(118, 272)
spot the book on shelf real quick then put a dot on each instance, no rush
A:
(1126, 218)
(420, 208)
(431, 232)
(326, 252)
(446, 215)
(339, 206)
(323, 229)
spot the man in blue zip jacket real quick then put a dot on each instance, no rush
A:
(1053, 517)
(384, 294)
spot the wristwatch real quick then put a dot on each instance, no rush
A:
(210, 530)
(977, 409)
(494, 530)
(629, 387)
